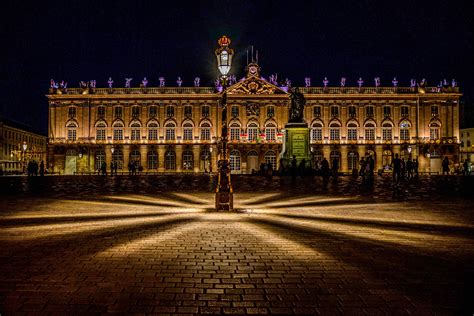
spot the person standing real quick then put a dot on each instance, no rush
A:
(335, 167)
(397, 166)
(42, 168)
(445, 166)
(293, 168)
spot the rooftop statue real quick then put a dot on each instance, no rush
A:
(343, 81)
(110, 82)
(144, 82)
(162, 81)
(325, 82)
(307, 82)
(127, 82)
(298, 102)
(395, 82)
(197, 81)
(179, 82)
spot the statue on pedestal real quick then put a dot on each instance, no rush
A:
(298, 102)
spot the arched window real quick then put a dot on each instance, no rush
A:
(316, 132)
(118, 131)
(153, 131)
(352, 160)
(135, 157)
(187, 131)
(234, 160)
(99, 158)
(387, 159)
(404, 130)
(135, 131)
(71, 131)
(188, 160)
(270, 132)
(369, 131)
(270, 157)
(152, 160)
(100, 131)
(335, 155)
(170, 160)
(234, 131)
(117, 157)
(334, 131)
(205, 131)
(317, 156)
(387, 131)
(434, 131)
(170, 131)
(252, 131)
(352, 131)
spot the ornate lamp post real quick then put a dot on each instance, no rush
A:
(224, 194)
(25, 146)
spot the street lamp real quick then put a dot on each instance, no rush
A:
(25, 146)
(224, 196)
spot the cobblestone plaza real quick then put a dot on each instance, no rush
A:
(154, 245)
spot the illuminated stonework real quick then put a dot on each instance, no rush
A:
(176, 129)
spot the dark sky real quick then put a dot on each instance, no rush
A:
(85, 40)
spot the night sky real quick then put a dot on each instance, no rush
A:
(86, 40)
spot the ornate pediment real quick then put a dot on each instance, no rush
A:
(254, 85)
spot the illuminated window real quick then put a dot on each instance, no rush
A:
(100, 132)
(135, 131)
(387, 131)
(71, 131)
(153, 131)
(152, 160)
(252, 131)
(270, 111)
(234, 158)
(317, 132)
(117, 157)
(352, 160)
(270, 132)
(369, 131)
(334, 131)
(170, 160)
(434, 131)
(188, 160)
(335, 155)
(135, 157)
(170, 131)
(99, 159)
(187, 131)
(118, 131)
(387, 158)
(234, 131)
(334, 111)
(404, 130)
(205, 131)
(352, 131)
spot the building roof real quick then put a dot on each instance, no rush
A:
(19, 125)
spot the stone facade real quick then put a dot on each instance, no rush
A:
(177, 129)
(466, 149)
(13, 155)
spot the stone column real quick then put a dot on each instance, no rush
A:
(378, 154)
(326, 152)
(126, 157)
(197, 158)
(161, 149)
(179, 157)
(344, 165)
(108, 157)
(143, 156)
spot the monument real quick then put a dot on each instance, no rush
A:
(297, 133)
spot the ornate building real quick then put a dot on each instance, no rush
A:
(177, 129)
(19, 144)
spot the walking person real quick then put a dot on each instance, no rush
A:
(42, 168)
(335, 168)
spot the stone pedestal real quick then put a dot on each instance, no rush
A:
(297, 142)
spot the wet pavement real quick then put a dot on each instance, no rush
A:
(153, 245)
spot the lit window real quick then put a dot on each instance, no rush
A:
(270, 132)
(100, 131)
(334, 132)
(404, 131)
(316, 132)
(71, 131)
(334, 111)
(135, 131)
(152, 160)
(169, 111)
(187, 131)
(205, 131)
(434, 131)
(188, 160)
(135, 111)
(352, 160)
(234, 131)
(234, 158)
(369, 131)
(270, 111)
(170, 160)
(352, 131)
(270, 157)
(252, 131)
(118, 131)
(153, 131)
(387, 132)
(317, 111)
(153, 111)
(170, 131)
(205, 110)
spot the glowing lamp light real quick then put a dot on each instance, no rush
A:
(25, 146)
(224, 55)
(409, 149)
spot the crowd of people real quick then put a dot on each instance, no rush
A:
(33, 168)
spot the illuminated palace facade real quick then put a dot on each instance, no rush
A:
(177, 129)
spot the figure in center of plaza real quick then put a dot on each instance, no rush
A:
(298, 102)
